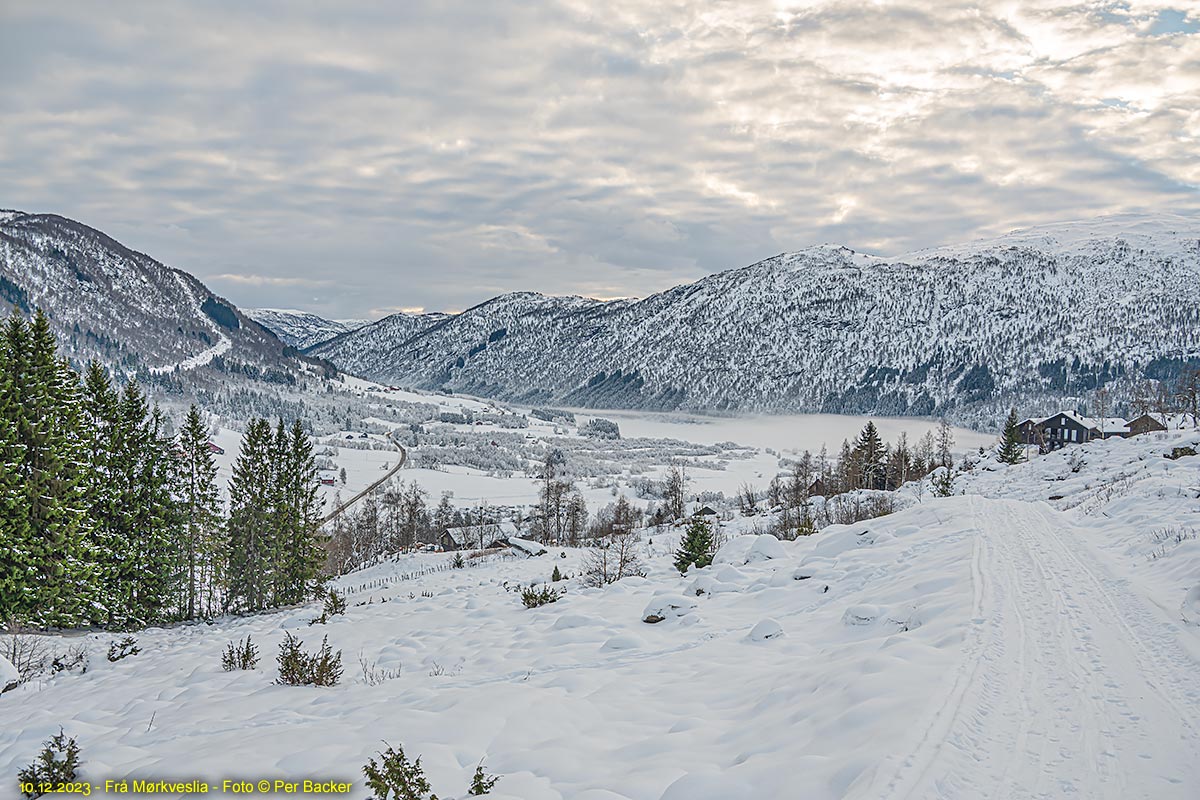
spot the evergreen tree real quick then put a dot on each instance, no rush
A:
(46, 393)
(869, 457)
(299, 543)
(202, 537)
(18, 565)
(945, 441)
(251, 547)
(696, 547)
(1012, 450)
(99, 420)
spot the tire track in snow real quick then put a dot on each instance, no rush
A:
(1068, 685)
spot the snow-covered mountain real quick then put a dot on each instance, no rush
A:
(127, 310)
(301, 329)
(375, 340)
(1030, 317)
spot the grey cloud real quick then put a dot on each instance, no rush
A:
(422, 154)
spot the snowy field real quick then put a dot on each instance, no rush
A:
(1038, 636)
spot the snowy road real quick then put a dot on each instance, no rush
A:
(1070, 685)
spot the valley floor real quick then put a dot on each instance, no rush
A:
(966, 647)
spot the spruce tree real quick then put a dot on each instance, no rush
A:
(302, 554)
(46, 391)
(18, 565)
(203, 536)
(696, 547)
(98, 421)
(1012, 450)
(869, 456)
(251, 548)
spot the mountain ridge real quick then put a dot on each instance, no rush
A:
(1037, 315)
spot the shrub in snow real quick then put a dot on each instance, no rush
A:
(457, 562)
(481, 782)
(614, 558)
(243, 655)
(556, 575)
(942, 482)
(534, 597)
(394, 777)
(76, 658)
(297, 668)
(57, 763)
(123, 648)
(696, 547)
(27, 655)
(334, 603)
(373, 674)
(863, 614)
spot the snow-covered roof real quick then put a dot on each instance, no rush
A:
(1105, 424)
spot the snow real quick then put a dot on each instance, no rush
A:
(8, 673)
(998, 643)
(525, 546)
(223, 345)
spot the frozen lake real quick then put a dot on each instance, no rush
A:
(783, 433)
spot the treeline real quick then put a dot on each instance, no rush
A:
(110, 519)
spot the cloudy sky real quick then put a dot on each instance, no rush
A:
(359, 158)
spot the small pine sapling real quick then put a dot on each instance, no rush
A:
(397, 778)
(696, 547)
(57, 763)
(297, 668)
(335, 603)
(124, 648)
(481, 782)
(243, 655)
(557, 575)
(457, 562)
(534, 597)
(942, 482)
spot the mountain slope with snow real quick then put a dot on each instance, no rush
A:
(301, 329)
(123, 308)
(1028, 318)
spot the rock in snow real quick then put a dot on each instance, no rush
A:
(667, 606)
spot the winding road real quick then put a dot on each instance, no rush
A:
(337, 512)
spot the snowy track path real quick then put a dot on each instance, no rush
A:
(1070, 686)
(223, 345)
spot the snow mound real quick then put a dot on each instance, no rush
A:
(862, 614)
(667, 606)
(8, 673)
(571, 621)
(766, 629)
(749, 550)
(1190, 607)
(525, 546)
(707, 786)
(624, 641)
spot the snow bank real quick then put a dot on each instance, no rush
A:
(8, 673)
(525, 546)
(750, 549)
